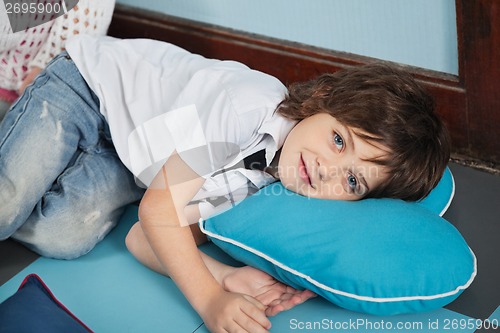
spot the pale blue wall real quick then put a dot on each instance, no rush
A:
(416, 32)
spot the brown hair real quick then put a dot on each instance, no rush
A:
(388, 106)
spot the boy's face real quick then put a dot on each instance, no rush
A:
(321, 158)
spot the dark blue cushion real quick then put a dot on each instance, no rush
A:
(33, 308)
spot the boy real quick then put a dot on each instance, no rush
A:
(185, 126)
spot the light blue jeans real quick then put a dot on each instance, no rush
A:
(4, 106)
(62, 185)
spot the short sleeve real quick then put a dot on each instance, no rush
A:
(232, 103)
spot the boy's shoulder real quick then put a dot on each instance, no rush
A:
(248, 90)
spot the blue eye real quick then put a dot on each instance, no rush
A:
(352, 182)
(338, 141)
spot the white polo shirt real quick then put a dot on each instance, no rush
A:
(158, 98)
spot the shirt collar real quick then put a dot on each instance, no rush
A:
(277, 127)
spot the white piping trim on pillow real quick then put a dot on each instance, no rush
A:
(339, 292)
(451, 196)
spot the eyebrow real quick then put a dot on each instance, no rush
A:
(363, 180)
(350, 139)
(351, 143)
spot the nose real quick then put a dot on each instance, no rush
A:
(328, 168)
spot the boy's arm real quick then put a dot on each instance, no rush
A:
(166, 228)
(275, 295)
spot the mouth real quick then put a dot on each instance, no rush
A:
(303, 171)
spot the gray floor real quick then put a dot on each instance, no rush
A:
(475, 211)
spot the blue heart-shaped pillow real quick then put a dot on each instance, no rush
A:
(378, 256)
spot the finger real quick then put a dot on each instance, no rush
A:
(234, 327)
(247, 324)
(272, 298)
(291, 290)
(297, 298)
(283, 305)
(256, 311)
(269, 296)
(274, 310)
(255, 302)
(288, 303)
(275, 302)
(291, 302)
(306, 294)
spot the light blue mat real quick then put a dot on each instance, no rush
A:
(111, 292)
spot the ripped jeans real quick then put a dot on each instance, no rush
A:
(62, 185)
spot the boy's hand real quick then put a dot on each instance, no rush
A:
(276, 296)
(231, 312)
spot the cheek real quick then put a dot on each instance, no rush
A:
(286, 167)
(291, 185)
(333, 191)
(288, 175)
